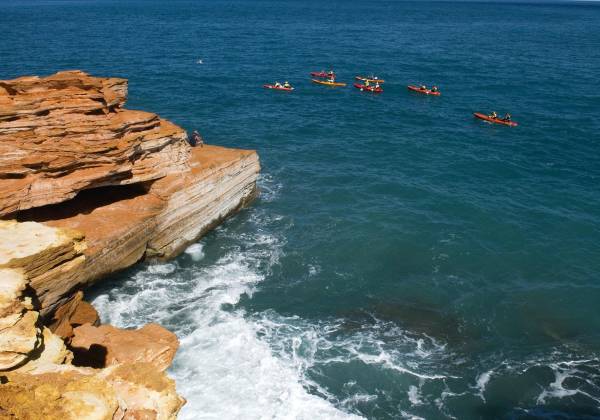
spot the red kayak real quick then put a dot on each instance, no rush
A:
(322, 74)
(494, 120)
(424, 91)
(278, 88)
(374, 89)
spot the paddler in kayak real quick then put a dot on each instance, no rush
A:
(434, 89)
(493, 115)
(367, 83)
(507, 117)
(277, 85)
(287, 85)
(423, 87)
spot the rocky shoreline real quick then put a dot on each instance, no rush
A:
(88, 188)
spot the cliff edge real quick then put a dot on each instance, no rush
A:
(88, 188)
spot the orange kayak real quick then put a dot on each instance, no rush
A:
(327, 83)
(494, 120)
(424, 91)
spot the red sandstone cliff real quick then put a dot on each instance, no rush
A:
(68, 132)
(93, 188)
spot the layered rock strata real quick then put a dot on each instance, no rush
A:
(68, 132)
(157, 220)
(38, 377)
(87, 188)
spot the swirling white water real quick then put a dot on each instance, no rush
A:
(223, 368)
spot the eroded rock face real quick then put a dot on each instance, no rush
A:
(37, 379)
(158, 221)
(68, 132)
(20, 335)
(48, 257)
(30, 252)
(219, 182)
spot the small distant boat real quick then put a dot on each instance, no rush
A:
(322, 74)
(424, 91)
(328, 83)
(372, 79)
(278, 88)
(374, 89)
(494, 120)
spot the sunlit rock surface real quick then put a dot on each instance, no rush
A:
(69, 132)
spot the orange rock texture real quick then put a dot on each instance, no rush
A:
(150, 344)
(69, 132)
(74, 313)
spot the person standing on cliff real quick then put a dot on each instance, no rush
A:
(196, 139)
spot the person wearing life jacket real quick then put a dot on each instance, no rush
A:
(423, 87)
(376, 85)
(331, 79)
(434, 89)
(367, 83)
(507, 117)
(277, 84)
(494, 115)
(287, 85)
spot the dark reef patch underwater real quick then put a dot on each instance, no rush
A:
(404, 260)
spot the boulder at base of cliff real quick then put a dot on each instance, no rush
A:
(72, 314)
(106, 345)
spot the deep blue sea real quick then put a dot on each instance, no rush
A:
(404, 260)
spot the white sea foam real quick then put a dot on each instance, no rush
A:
(482, 381)
(162, 268)
(223, 368)
(563, 371)
(414, 395)
(226, 372)
(195, 251)
(409, 416)
(312, 346)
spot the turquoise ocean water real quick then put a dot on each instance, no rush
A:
(404, 260)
